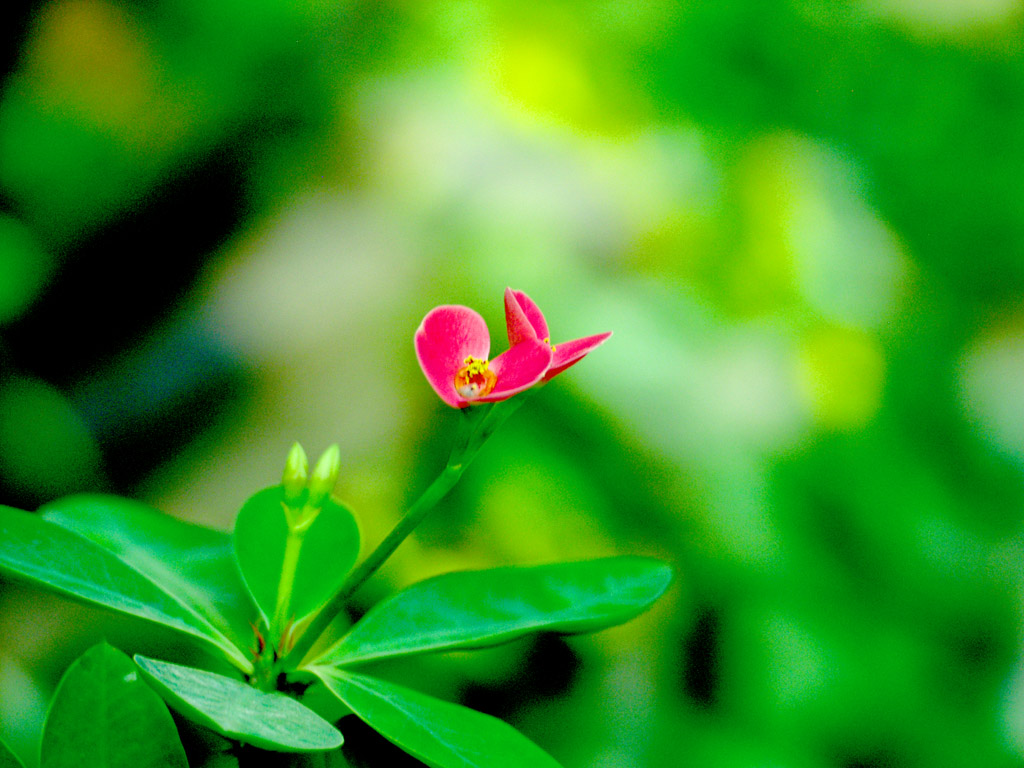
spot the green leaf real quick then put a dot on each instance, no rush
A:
(7, 758)
(478, 608)
(239, 711)
(327, 552)
(441, 734)
(105, 716)
(193, 563)
(55, 558)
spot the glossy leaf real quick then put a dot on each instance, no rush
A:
(56, 558)
(239, 711)
(328, 550)
(105, 716)
(441, 734)
(8, 758)
(478, 608)
(194, 563)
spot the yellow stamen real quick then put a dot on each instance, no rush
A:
(474, 379)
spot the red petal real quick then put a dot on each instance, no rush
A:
(446, 337)
(518, 368)
(516, 321)
(571, 352)
(533, 315)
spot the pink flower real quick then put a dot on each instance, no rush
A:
(452, 344)
(526, 324)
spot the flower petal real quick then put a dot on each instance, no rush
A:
(446, 337)
(518, 368)
(518, 324)
(533, 315)
(569, 353)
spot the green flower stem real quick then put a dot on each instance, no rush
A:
(292, 547)
(477, 425)
(492, 420)
(423, 505)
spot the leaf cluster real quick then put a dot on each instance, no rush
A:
(248, 597)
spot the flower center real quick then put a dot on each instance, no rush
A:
(474, 379)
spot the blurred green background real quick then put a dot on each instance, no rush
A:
(221, 222)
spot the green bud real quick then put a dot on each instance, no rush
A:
(296, 469)
(324, 476)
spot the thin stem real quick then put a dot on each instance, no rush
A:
(466, 446)
(473, 420)
(290, 562)
(493, 419)
(424, 504)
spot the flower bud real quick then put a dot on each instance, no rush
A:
(324, 477)
(296, 469)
